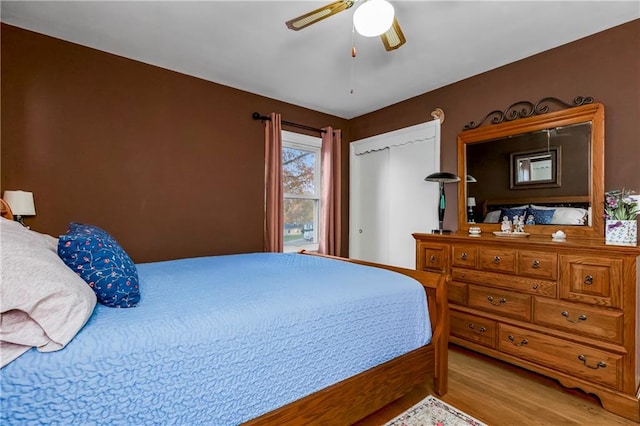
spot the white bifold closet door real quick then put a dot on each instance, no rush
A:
(389, 198)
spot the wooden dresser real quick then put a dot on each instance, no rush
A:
(568, 310)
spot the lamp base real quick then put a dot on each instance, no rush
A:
(441, 231)
(20, 219)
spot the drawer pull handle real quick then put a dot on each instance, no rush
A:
(496, 260)
(535, 264)
(432, 259)
(599, 364)
(534, 287)
(582, 317)
(479, 331)
(464, 256)
(588, 280)
(513, 341)
(500, 302)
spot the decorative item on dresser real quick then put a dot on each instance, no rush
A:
(566, 310)
(621, 210)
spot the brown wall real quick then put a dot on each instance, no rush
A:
(171, 165)
(605, 66)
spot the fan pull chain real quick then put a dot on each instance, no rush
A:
(353, 60)
(353, 56)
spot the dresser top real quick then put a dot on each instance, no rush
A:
(532, 241)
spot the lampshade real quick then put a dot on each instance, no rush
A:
(21, 202)
(373, 18)
(471, 179)
(444, 177)
(471, 201)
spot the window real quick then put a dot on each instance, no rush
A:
(301, 184)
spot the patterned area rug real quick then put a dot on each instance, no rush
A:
(433, 412)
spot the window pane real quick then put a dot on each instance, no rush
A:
(298, 168)
(300, 221)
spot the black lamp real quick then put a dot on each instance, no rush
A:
(441, 178)
(471, 201)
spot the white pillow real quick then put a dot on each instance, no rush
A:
(566, 215)
(43, 303)
(533, 206)
(493, 217)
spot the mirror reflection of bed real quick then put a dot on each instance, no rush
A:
(561, 211)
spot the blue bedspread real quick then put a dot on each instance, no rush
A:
(218, 341)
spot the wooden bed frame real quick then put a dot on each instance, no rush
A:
(363, 394)
(5, 210)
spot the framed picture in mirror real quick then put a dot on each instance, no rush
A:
(536, 169)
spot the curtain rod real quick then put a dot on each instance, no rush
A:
(257, 116)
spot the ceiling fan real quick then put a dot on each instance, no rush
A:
(372, 18)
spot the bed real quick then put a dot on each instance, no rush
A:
(232, 339)
(573, 210)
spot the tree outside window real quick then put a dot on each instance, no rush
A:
(301, 184)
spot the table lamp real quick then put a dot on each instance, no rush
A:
(441, 178)
(21, 203)
(471, 203)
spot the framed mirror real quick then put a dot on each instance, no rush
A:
(534, 160)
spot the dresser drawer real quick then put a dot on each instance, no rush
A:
(515, 282)
(465, 256)
(572, 358)
(594, 280)
(432, 257)
(538, 264)
(473, 329)
(501, 302)
(577, 318)
(502, 260)
(457, 293)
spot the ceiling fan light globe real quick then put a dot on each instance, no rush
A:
(373, 18)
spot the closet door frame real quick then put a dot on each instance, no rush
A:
(421, 198)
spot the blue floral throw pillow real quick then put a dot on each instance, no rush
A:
(541, 217)
(510, 213)
(98, 259)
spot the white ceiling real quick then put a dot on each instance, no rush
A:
(246, 45)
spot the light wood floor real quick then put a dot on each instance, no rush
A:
(501, 394)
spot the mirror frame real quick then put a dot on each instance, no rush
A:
(593, 113)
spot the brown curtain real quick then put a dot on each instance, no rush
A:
(273, 193)
(330, 226)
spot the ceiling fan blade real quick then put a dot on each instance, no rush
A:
(393, 38)
(319, 14)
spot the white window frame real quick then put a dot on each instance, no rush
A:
(309, 143)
